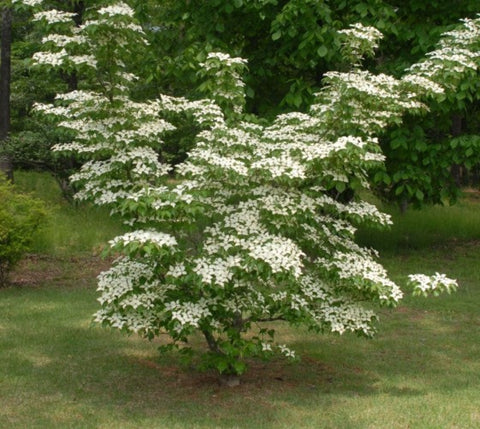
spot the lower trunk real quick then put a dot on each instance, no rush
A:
(6, 167)
(212, 343)
(229, 380)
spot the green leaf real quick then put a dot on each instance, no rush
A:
(340, 186)
(276, 35)
(239, 367)
(221, 366)
(322, 51)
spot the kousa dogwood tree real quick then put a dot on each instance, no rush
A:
(252, 227)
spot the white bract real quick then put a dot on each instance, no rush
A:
(258, 224)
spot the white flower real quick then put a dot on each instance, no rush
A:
(286, 351)
(266, 347)
(177, 270)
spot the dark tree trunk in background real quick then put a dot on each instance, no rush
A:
(72, 78)
(5, 160)
(456, 130)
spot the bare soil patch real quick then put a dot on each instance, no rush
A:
(37, 270)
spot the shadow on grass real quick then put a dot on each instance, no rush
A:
(102, 378)
(59, 371)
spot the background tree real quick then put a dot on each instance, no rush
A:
(426, 155)
(31, 138)
(5, 78)
(290, 45)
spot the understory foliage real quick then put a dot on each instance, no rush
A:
(258, 223)
(20, 217)
(423, 154)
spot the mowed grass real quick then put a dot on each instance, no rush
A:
(422, 370)
(431, 226)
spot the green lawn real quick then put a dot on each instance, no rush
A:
(421, 371)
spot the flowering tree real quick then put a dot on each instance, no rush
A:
(252, 227)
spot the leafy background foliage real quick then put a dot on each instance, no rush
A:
(20, 217)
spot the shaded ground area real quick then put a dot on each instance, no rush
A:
(36, 270)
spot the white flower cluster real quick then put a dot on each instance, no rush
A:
(224, 58)
(119, 8)
(360, 41)
(80, 97)
(360, 31)
(281, 254)
(59, 111)
(62, 40)
(106, 22)
(243, 231)
(189, 313)
(177, 270)
(327, 308)
(145, 236)
(435, 284)
(205, 112)
(347, 318)
(120, 280)
(54, 16)
(364, 211)
(353, 265)
(283, 165)
(224, 73)
(217, 270)
(53, 59)
(31, 3)
(217, 160)
(88, 60)
(456, 54)
(422, 82)
(129, 320)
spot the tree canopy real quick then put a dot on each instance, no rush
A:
(258, 223)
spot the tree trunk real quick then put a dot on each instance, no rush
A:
(5, 76)
(456, 130)
(72, 78)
